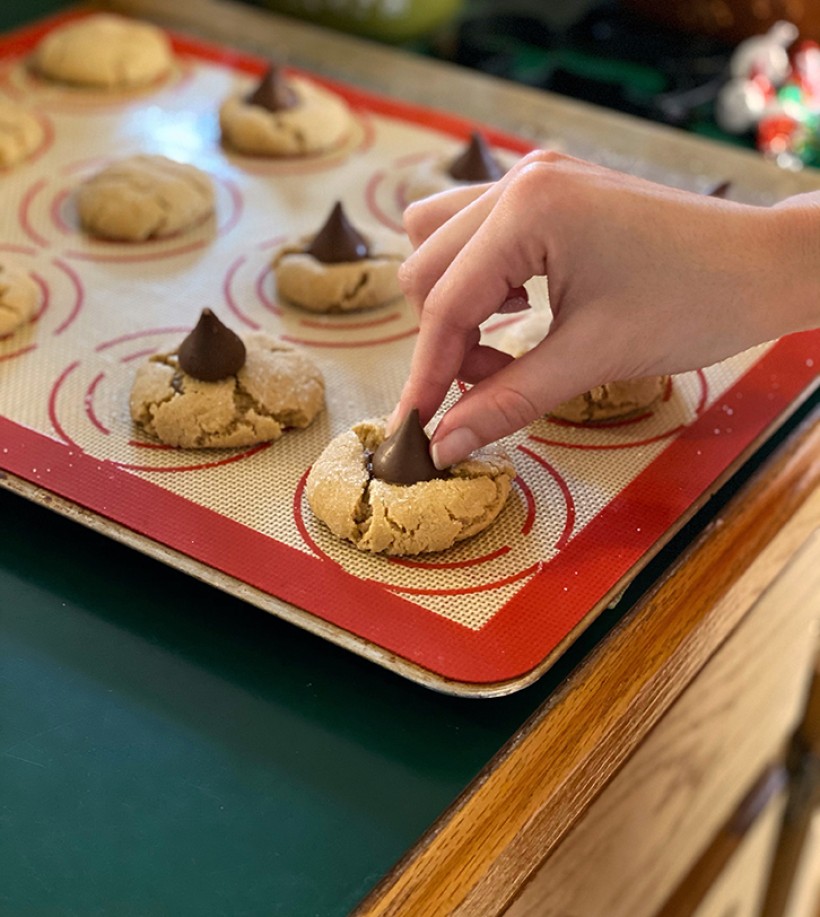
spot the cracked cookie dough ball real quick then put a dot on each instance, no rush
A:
(20, 133)
(277, 387)
(404, 518)
(285, 116)
(104, 51)
(144, 197)
(18, 297)
(611, 401)
(338, 269)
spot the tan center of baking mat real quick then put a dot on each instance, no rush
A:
(589, 504)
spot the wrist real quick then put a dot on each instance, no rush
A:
(793, 241)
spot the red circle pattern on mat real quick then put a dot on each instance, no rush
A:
(385, 190)
(88, 408)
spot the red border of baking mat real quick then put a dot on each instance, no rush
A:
(522, 634)
(533, 623)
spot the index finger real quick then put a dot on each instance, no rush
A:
(422, 218)
(501, 253)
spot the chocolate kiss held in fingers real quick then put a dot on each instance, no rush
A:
(337, 241)
(273, 93)
(211, 351)
(404, 457)
(476, 163)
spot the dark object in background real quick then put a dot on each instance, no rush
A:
(612, 56)
(731, 20)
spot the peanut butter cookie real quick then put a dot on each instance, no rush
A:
(613, 401)
(285, 116)
(144, 197)
(18, 296)
(104, 51)
(430, 515)
(338, 269)
(277, 387)
(20, 133)
(474, 164)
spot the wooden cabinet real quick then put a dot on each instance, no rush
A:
(740, 887)
(794, 889)
(803, 898)
(641, 836)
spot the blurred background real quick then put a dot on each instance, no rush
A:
(745, 72)
(670, 61)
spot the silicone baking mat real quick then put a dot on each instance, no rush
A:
(590, 505)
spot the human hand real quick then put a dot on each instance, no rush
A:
(643, 279)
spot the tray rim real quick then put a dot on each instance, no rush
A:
(306, 619)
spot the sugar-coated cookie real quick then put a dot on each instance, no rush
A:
(285, 116)
(613, 401)
(400, 518)
(18, 296)
(277, 387)
(144, 197)
(338, 268)
(20, 133)
(104, 51)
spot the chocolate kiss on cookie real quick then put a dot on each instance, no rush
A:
(211, 351)
(273, 93)
(404, 457)
(338, 241)
(476, 163)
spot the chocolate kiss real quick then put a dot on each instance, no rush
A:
(404, 457)
(720, 190)
(211, 351)
(337, 240)
(476, 163)
(273, 92)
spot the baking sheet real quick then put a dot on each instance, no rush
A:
(590, 504)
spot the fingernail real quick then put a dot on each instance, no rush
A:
(453, 447)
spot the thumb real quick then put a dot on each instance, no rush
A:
(508, 400)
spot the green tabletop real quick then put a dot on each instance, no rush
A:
(169, 749)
